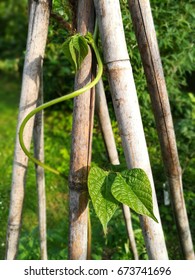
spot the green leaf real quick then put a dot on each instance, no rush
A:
(73, 54)
(132, 188)
(75, 49)
(82, 49)
(99, 184)
(67, 52)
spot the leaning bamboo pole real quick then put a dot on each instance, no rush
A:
(127, 112)
(36, 41)
(81, 145)
(148, 47)
(102, 112)
(38, 137)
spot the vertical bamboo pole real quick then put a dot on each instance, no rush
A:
(127, 112)
(105, 123)
(37, 36)
(38, 136)
(148, 46)
(81, 144)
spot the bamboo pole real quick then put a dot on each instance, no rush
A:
(148, 47)
(36, 41)
(38, 136)
(130, 232)
(101, 109)
(106, 127)
(127, 112)
(81, 145)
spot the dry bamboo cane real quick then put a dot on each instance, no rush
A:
(81, 145)
(148, 46)
(101, 108)
(127, 112)
(38, 136)
(105, 123)
(37, 36)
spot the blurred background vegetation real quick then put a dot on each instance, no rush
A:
(175, 27)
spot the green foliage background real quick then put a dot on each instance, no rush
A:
(175, 25)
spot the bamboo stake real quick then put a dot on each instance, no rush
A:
(130, 232)
(37, 36)
(105, 123)
(127, 112)
(81, 145)
(148, 46)
(38, 135)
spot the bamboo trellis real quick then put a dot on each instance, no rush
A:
(128, 116)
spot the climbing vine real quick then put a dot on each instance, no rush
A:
(107, 189)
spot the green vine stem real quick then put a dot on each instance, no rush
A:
(91, 43)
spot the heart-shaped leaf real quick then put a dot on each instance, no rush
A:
(99, 184)
(132, 188)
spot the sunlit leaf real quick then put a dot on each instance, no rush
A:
(99, 184)
(132, 188)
